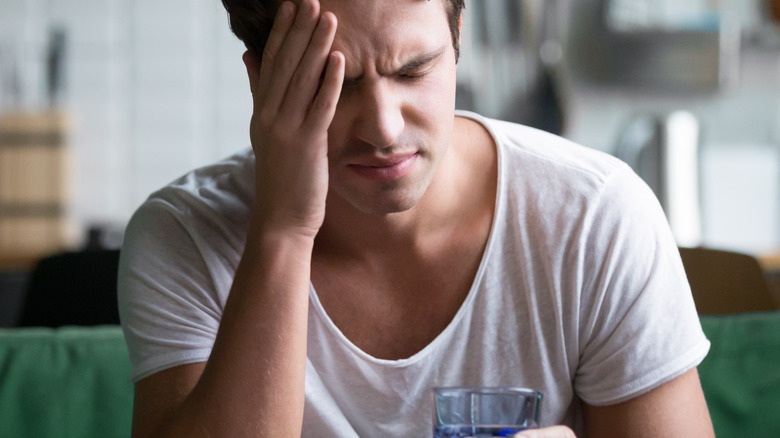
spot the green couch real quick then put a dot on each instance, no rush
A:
(741, 374)
(67, 382)
(75, 381)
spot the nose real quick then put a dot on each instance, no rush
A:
(379, 120)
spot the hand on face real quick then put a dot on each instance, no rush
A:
(294, 104)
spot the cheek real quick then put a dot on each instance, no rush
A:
(434, 101)
(343, 117)
(438, 89)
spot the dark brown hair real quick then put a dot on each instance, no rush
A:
(251, 21)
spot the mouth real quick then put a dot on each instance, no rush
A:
(385, 168)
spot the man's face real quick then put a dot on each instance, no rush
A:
(395, 116)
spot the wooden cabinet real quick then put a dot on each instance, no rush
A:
(35, 185)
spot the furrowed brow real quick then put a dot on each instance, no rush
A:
(418, 62)
(421, 61)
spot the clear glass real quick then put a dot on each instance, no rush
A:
(484, 411)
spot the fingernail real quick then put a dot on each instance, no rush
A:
(324, 22)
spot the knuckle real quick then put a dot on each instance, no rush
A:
(301, 24)
(324, 104)
(264, 117)
(302, 77)
(285, 64)
(278, 134)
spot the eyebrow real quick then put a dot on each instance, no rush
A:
(414, 64)
(421, 61)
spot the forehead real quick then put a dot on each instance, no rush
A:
(368, 8)
(388, 24)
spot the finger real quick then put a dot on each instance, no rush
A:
(291, 52)
(324, 105)
(547, 432)
(285, 16)
(307, 77)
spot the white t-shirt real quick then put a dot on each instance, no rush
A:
(580, 294)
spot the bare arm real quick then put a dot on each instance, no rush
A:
(253, 382)
(674, 409)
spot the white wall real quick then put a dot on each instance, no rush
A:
(157, 87)
(740, 149)
(154, 88)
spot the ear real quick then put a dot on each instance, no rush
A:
(460, 27)
(252, 63)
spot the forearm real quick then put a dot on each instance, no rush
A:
(253, 383)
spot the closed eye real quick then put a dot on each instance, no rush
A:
(413, 76)
(414, 70)
(417, 68)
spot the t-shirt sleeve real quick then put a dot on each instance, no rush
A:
(168, 305)
(639, 324)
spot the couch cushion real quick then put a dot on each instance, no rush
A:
(741, 374)
(66, 382)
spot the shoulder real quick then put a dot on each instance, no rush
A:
(178, 259)
(217, 185)
(218, 195)
(552, 181)
(530, 150)
(201, 217)
(572, 204)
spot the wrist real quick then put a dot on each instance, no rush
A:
(268, 233)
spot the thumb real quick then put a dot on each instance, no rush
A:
(547, 432)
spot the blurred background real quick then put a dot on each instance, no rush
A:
(104, 101)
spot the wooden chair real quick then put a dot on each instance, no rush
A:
(740, 376)
(725, 282)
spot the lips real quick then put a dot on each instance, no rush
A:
(385, 168)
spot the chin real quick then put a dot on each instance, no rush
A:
(385, 202)
(378, 198)
(387, 205)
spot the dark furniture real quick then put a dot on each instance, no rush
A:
(72, 288)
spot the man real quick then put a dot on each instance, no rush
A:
(374, 244)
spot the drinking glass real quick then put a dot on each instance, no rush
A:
(484, 411)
